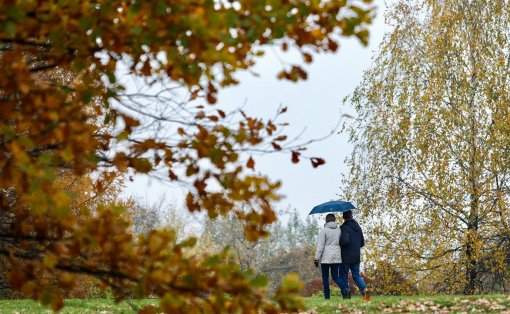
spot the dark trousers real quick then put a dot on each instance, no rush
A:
(335, 275)
(356, 277)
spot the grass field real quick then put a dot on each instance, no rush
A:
(74, 306)
(414, 304)
(315, 305)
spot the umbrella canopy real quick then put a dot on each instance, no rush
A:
(331, 207)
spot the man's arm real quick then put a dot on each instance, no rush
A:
(345, 237)
(362, 239)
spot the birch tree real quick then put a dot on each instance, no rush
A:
(430, 167)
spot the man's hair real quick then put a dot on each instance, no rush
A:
(347, 214)
(330, 217)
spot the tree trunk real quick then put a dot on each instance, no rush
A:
(471, 259)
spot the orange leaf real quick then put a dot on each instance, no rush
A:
(251, 163)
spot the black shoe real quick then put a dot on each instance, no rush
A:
(347, 294)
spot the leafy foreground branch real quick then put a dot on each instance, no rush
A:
(156, 265)
(69, 130)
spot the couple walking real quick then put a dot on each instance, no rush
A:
(338, 251)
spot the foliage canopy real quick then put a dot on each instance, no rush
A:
(64, 108)
(430, 166)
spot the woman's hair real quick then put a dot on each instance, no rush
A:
(330, 217)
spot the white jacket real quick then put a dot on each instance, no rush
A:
(328, 244)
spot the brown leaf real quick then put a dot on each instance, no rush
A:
(276, 146)
(308, 57)
(295, 157)
(251, 163)
(316, 162)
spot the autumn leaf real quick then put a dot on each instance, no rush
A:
(316, 162)
(250, 163)
(295, 157)
(276, 146)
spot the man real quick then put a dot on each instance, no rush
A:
(351, 242)
(328, 253)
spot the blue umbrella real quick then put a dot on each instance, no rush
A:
(332, 206)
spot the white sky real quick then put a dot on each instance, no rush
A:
(315, 104)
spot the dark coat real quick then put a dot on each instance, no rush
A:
(351, 241)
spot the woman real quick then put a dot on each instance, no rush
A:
(328, 253)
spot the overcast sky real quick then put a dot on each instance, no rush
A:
(315, 104)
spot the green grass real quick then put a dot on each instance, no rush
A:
(411, 304)
(74, 306)
(316, 304)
